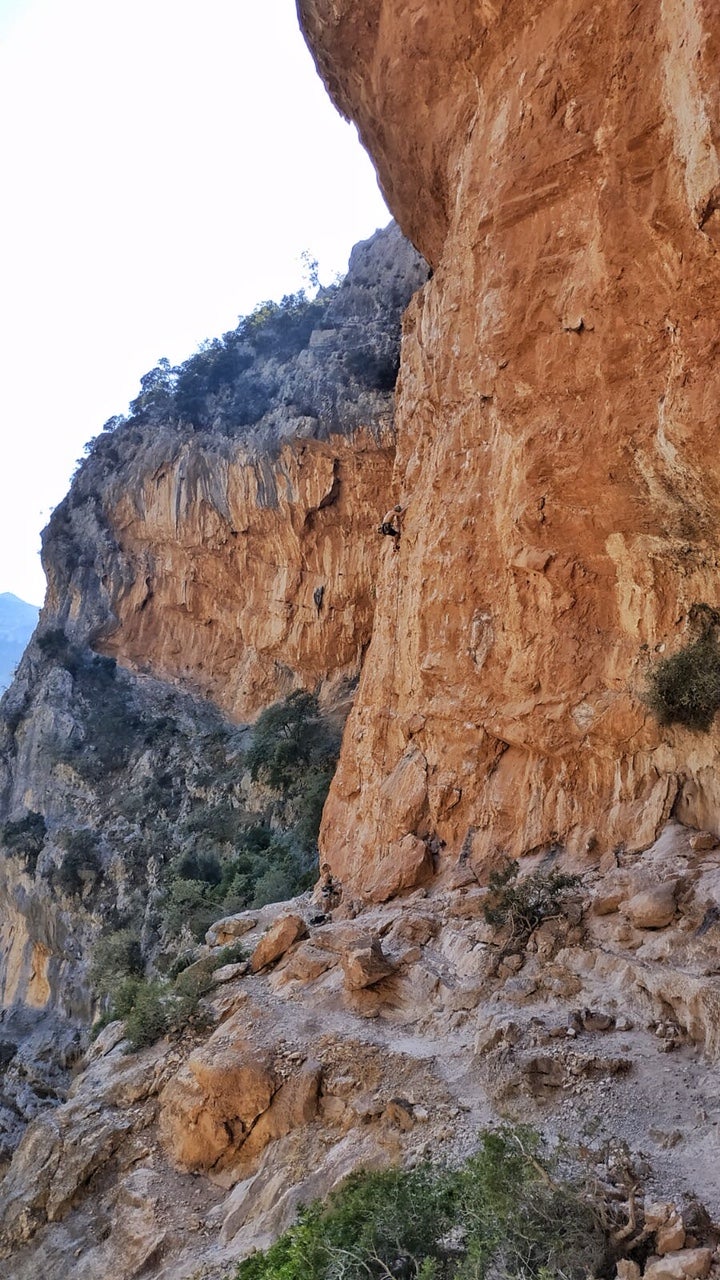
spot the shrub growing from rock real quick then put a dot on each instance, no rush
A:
(522, 905)
(685, 687)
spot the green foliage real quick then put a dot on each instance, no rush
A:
(116, 956)
(233, 953)
(289, 737)
(234, 378)
(385, 1224)
(81, 865)
(522, 905)
(294, 752)
(518, 1221)
(148, 1017)
(500, 1216)
(685, 687)
(266, 868)
(159, 1007)
(25, 838)
(189, 905)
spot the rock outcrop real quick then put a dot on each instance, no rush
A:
(557, 417)
(225, 535)
(216, 551)
(199, 1149)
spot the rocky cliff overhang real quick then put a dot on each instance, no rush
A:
(557, 420)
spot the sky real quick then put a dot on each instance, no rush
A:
(164, 165)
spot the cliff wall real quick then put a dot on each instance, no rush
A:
(225, 535)
(217, 550)
(557, 421)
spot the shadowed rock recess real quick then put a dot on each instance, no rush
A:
(538, 655)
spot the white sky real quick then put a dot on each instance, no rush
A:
(163, 165)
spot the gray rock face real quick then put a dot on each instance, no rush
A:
(110, 781)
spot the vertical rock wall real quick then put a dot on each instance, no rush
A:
(557, 424)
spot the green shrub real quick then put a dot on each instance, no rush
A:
(685, 687)
(500, 1216)
(288, 737)
(383, 1224)
(518, 1221)
(25, 838)
(81, 864)
(522, 905)
(151, 1009)
(116, 956)
(148, 1017)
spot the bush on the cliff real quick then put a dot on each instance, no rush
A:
(291, 738)
(500, 1215)
(25, 838)
(294, 752)
(685, 687)
(520, 906)
(81, 865)
(151, 1008)
(116, 956)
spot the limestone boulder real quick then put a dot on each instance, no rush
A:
(686, 1264)
(651, 908)
(365, 965)
(209, 1107)
(702, 841)
(279, 938)
(295, 1104)
(226, 931)
(406, 864)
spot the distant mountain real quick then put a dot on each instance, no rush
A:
(17, 623)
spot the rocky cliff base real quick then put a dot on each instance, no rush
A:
(366, 1036)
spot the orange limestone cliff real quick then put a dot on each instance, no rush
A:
(247, 597)
(224, 535)
(558, 418)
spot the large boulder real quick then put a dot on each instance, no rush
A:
(279, 938)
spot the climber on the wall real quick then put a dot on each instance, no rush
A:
(391, 524)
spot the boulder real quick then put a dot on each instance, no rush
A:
(208, 1108)
(594, 1020)
(228, 973)
(307, 963)
(407, 864)
(295, 1104)
(702, 841)
(279, 938)
(365, 965)
(671, 1236)
(651, 908)
(686, 1264)
(227, 930)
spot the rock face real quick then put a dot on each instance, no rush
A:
(221, 543)
(226, 534)
(557, 418)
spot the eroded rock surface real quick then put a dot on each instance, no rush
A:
(192, 1153)
(226, 534)
(559, 169)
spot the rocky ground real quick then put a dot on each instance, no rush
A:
(364, 1036)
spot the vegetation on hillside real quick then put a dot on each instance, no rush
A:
(519, 906)
(160, 833)
(500, 1215)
